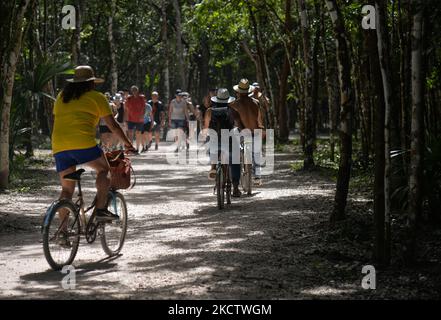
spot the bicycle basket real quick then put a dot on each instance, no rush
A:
(120, 170)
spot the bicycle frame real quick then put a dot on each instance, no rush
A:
(81, 212)
(246, 155)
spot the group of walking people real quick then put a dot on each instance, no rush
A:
(138, 117)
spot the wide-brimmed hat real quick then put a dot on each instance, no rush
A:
(223, 96)
(243, 86)
(84, 74)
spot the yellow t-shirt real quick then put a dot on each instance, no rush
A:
(75, 122)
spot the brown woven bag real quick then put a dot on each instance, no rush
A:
(120, 170)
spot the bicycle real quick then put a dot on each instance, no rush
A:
(246, 166)
(223, 184)
(62, 232)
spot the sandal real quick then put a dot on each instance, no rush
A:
(212, 174)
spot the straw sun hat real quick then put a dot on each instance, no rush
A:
(243, 86)
(84, 74)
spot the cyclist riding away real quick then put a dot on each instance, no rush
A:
(220, 116)
(250, 118)
(77, 111)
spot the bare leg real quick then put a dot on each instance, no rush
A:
(138, 139)
(67, 191)
(130, 135)
(149, 138)
(144, 139)
(106, 141)
(101, 167)
(157, 137)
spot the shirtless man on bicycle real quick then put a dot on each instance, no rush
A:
(250, 118)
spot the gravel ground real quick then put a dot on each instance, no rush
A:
(179, 245)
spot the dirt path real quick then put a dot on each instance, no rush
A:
(179, 245)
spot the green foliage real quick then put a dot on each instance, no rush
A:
(34, 81)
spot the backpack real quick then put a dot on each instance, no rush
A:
(220, 118)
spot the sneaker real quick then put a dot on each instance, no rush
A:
(103, 215)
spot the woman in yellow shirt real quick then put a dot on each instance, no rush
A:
(77, 112)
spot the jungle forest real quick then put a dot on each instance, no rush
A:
(353, 91)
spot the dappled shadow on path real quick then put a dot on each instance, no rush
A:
(179, 245)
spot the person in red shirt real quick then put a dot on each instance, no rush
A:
(135, 109)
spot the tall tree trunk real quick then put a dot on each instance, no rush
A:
(7, 75)
(404, 87)
(204, 64)
(346, 111)
(164, 35)
(371, 45)
(76, 36)
(179, 46)
(308, 162)
(331, 80)
(417, 131)
(113, 63)
(262, 67)
(383, 53)
(283, 87)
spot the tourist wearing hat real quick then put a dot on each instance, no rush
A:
(77, 111)
(218, 117)
(250, 118)
(263, 103)
(178, 118)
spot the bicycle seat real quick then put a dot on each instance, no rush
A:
(74, 176)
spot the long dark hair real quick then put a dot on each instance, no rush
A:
(74, 90)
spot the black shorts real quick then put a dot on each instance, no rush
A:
(146, 127)
(105, 129)
(137, 126)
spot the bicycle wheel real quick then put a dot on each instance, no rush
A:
(245, 178)
(61, 234)
(248, 176)
(113, 234)
(220, 187)
(228, 186)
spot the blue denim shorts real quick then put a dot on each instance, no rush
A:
(69, 158)
(178, 124)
